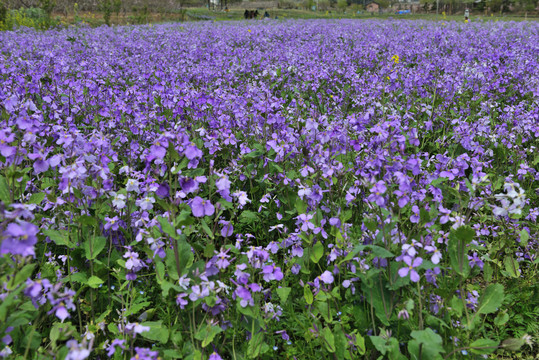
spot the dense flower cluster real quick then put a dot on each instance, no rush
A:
(188, 191)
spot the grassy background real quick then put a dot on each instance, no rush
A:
(201, 14)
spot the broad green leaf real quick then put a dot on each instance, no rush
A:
(4, 191)
(60, 237)
(207, 229)
(167, 227)
(87, 220)
(458, 252)
(186, 255)
(37, 198)
(93, 249)
(135, 308)
(376, 250)
(308, 294)
(491, 299)
(158, 332)
(524, 237)
(94, 282)
(301, 207)
(512, 344)
(483, 346)
(501, 319)
(511, 266)
(317, 252)
(255, 345)
(431, 343)
(21, 276)
(328, 339)
(283, 293)
(248, 217)
(379, 343)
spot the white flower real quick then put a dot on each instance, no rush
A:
(137, 328)
(242, 198)
(132, 185)
(146, 203)
(118, 200)
(184, 282)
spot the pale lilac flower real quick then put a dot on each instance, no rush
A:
(410, 269)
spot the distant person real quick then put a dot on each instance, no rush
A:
(266, 15)
(466, 15)
(255, 14)
(246, 14)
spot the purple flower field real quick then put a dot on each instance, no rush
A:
(270, 190)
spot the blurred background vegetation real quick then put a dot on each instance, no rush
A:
(44, 14)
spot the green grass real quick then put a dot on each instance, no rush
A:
(237, 14)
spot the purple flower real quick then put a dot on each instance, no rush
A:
(304, 221)
(181, 301)
(201, 207)
(76, 351)
(145, 354)
(326, 278)
(215, 356)
(412, 264)
(111, 349)
(192, 152)
(19, 239)
(245, 295)
(377, 192)
(272, 272)
(227, 229)
(436, 254)
(136, 328)
(112, 223)
(222, 259)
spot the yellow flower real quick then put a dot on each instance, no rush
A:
(249, 30)
(395, 58)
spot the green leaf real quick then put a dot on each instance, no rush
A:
(21, 276)
(511, 266)
(37, 198)
(4, 191)
(60, 237)
(432, 343)
(491, 299)
(317, 252)
(79, 277)
(457, 306)
(158, 332)
(458, 252)
(87, 220)
(376, 250)
(513, 344)
(167, 227)
(524, 237)
(360, 343)
(283, 293)
(135, 308)
(206, 229)
(93, 249)
(301, 207)
(483, 346)
(501, 319)
(379, 343)
(308, 294)
(328, 339)
(248, 217)
(255, 345)
(94, 282)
